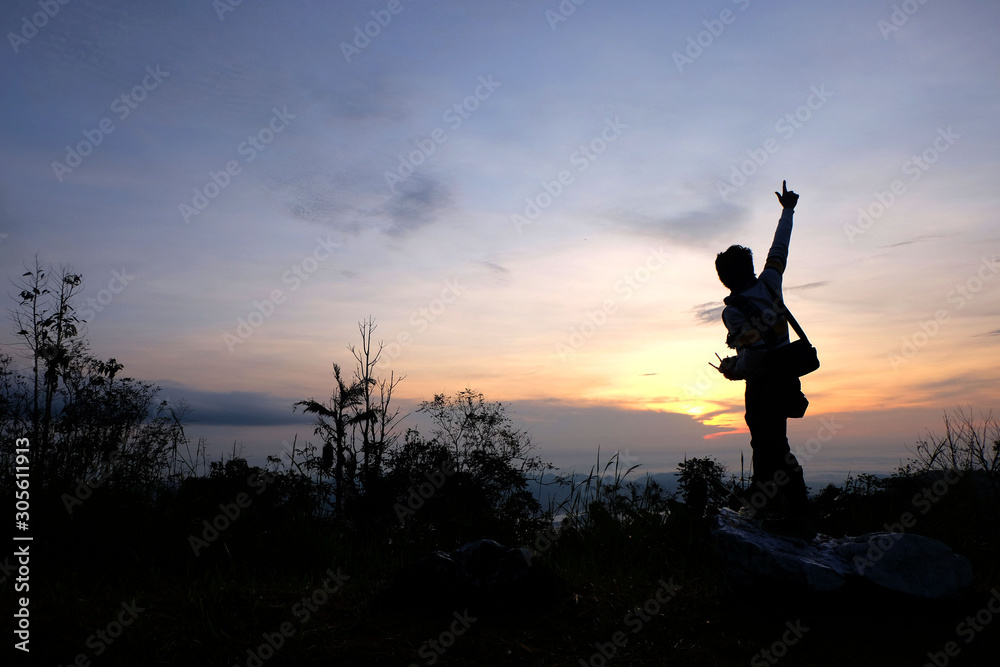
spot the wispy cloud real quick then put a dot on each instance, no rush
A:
(415, 204)
(313, 196)
(813, 285)
(693, 227)
(918, 239)
(708, 313)
(495, 268)
(232, 408)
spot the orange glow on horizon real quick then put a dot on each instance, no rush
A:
(713, 436)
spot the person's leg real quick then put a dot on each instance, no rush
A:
(763, 431)
(776, 470)
(795, 491)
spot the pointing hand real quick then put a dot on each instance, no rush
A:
(787, 198)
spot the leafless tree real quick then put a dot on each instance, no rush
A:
(359, 420)
(970, 443)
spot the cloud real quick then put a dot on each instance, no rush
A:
(708, 313)
(351, 195)
(313, 196)
(233, 408)
(917, 239)
(499, 274)
(339, 201)
(819, 283)
(369, 99)
(711, 312)
(415, 204)
(495, 268)
(572, 433)
(693, 227)
(956, 389)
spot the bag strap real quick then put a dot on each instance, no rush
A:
(788, 314)
(748, 308)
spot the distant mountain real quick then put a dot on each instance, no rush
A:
(551, 494)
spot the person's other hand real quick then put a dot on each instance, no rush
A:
(726, 367)
(787, 198)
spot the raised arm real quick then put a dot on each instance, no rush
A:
(777, 256)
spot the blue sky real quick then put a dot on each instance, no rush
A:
(553, 247)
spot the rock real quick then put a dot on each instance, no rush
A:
(899, 562)
(480, 576)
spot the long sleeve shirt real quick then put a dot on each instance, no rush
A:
(747, 336)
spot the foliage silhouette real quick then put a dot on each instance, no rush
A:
(138, 492)
(84, 422)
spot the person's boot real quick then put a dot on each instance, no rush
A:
(795, 523)
(748, 511)
(790, 526)
(751, 508)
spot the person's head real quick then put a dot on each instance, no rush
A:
(735, 266)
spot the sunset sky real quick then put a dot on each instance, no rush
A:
(527, 197)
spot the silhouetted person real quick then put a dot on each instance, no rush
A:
(754, 326)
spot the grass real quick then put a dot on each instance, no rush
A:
(219, 608)
(217, 618)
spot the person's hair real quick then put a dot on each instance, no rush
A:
(735, 266)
